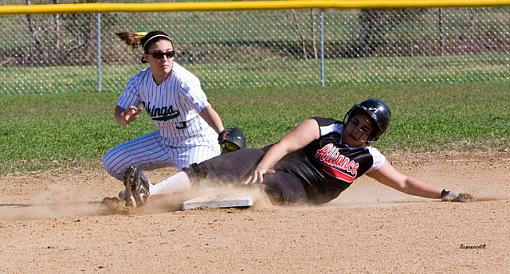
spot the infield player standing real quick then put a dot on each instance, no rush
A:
(187, 125)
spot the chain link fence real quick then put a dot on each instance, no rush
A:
(264, 48)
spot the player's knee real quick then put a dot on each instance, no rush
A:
(119, 175)
(196, 171)
(279, 196)
(110, 169)
(113, 163)
(107, 159)
(274, 194)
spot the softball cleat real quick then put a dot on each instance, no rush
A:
(137, 188)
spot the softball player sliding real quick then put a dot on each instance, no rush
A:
(187, 125)
(313, 164)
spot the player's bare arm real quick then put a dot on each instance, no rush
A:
(391, 177)
(126, 116)
(212, 118)
(298, 138)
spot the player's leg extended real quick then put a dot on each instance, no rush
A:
(282, 187)
(145, 152)
(227, 168)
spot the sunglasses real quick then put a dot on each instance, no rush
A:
(159, 54)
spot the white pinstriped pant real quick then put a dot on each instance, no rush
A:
(150, 151)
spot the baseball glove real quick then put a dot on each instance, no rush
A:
(231, 139)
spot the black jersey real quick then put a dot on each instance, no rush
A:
(326, 166)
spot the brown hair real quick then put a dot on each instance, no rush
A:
(152, 37)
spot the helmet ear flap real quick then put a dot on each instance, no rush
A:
(347, 116)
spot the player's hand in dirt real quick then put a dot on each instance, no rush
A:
(452, 196)
(463, 198)
(258, 176)
(131, 114)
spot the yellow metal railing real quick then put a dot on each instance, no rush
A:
(245, 5)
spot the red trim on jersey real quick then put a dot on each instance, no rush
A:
(338, 174)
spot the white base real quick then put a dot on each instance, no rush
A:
(218, 201)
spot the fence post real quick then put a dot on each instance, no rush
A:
(322, 47)
(98, 53)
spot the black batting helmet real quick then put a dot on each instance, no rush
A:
(232, 139)
(377, 110)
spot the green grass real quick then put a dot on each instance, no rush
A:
(60, 130)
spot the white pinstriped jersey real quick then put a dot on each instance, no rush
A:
(182, 137)
(174, 105)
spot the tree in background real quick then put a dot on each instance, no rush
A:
(375, 24)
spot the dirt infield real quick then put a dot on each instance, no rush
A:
(51, 222)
